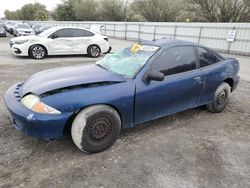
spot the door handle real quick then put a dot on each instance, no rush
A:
(197, 79)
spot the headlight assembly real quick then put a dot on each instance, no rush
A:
(33, 103)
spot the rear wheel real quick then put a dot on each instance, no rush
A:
(94, 51)
(221, 98)
(96, 128)
(37, 51)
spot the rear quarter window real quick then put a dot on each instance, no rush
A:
(82, 33)
(207, 57)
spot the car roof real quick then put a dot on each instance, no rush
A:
(167, 41)
(72, 27)
(176, 42)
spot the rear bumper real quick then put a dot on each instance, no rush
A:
(43, 126)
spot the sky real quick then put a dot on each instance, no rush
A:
(17, 4)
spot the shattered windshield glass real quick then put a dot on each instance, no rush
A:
(128, 61)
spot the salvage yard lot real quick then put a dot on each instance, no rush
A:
(194, 148)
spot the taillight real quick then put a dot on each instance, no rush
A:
(106, 39)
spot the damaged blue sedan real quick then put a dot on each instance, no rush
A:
(146, 81)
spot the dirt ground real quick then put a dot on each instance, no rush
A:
(194, 148)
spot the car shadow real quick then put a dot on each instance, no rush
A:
(59, 57)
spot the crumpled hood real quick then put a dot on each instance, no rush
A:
(58, 78)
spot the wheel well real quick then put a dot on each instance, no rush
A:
(46, 51)
(94, 45)
(230, 82)
(71, 119)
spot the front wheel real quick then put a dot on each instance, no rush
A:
(37, 51)
(96, 128)
(94, 51)
(221, 98)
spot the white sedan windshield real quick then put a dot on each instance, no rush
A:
(47, 32)
(128, 61)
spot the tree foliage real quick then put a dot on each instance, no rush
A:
(115, 10)
(34, 11)
(65, 12)
(158, 10)
(138, 10)
(221, 10)
(86, 10)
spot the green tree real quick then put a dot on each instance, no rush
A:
(86, 10)
(34, 11)
(42, 15)
(64, 12)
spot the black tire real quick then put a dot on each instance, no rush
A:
(37, 51)
(94, 51)
(221, 98)
(96, 128)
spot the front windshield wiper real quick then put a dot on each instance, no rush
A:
(99, 65)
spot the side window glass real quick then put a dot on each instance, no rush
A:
(78, 33)
(207, 58)
(89, 34)
(63, 33)
(176, 60)
(82, 33)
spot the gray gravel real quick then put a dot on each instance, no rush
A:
(194, 148)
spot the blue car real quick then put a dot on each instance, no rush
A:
(146, 81)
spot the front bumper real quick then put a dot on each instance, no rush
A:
(43, 126)
(19, 49)
(3, 34)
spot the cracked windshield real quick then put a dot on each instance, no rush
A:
(128, 61)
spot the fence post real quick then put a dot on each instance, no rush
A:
(175, 28)
(105, 29)
(126, 27)
(199, 35)
(155, 32)
(139, 34)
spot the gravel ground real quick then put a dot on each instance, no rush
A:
(194, 148)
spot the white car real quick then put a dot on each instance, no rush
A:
(23, 29)
(60, 41)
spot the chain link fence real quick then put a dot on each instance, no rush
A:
(232, 38)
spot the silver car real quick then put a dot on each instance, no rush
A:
(23, 29)
(2, 31)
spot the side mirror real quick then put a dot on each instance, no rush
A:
(154, 75)
(54, 36)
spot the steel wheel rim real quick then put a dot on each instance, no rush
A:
(221, 99)
(99, 130)
(38, 52)
(95, 51)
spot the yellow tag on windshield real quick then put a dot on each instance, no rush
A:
(135, 48)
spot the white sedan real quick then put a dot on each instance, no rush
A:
(60, 41)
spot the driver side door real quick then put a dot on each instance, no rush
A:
(61, 42)
(180, 90)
